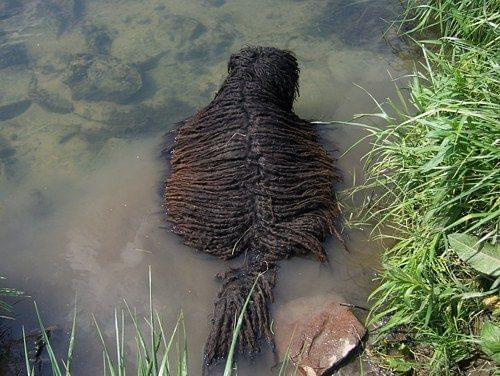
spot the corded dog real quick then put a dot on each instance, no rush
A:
(250, 177)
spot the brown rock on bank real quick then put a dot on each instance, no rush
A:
(318, 332)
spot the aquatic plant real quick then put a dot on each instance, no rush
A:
(5, 307)
(152, 353)
(434, 172)
(155, 346)
(250, 177)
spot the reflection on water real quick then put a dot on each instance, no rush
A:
(87, 88)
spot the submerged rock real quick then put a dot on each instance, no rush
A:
(12, 109)
(13, 55)
(156, 113)
(215, 42)
(6, 150)
(97, 38)
(74, 131)
(7, 159)
(317, 332)
(50, 101)
(42, 16)
(14, 99)
(62, 13)
(60, 8)
(186, 28)
(170, 32)
(174, 39)
(52, 65)
(98, 77)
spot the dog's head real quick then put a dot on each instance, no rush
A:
(275, 71)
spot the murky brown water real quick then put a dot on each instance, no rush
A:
(79, 178)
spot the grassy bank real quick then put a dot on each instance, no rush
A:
(436, 161)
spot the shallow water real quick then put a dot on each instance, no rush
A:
(80, 211)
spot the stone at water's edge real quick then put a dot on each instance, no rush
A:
(324, 333)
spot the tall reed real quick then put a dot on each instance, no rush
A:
(157, 352)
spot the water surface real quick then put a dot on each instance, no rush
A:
(80, 174)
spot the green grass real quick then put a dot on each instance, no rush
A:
(157, 351)
(434, 170)
(153, 352)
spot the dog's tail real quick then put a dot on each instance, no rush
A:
(236, 286)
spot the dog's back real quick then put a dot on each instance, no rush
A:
(249, 175)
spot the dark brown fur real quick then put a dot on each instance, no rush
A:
(249, 176)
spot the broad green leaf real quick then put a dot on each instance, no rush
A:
(484, 258)
(490, 340)
(399, 364)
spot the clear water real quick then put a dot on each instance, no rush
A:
(80, 210)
